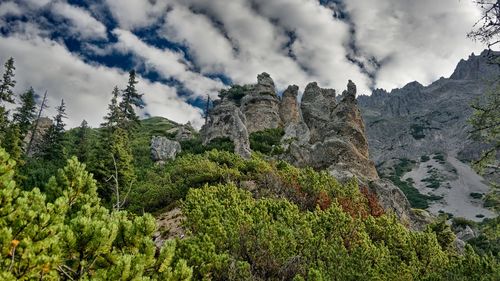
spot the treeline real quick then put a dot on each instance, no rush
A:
(40, 152)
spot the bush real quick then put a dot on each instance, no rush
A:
(268, 141)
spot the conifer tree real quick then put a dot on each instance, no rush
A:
(72, 236)
(83, 142)
(8, 82)
(53, 140)
(13, 143)
(25, 114)
(114, 116)
(130, 100)
(6, 95)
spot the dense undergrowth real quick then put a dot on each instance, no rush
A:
(289, 224)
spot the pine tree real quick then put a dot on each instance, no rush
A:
(83, 142)
(52, 147)
(114, 117)
(6, 95)
(131, 99)
(72, 236)
(25, 114)
(8, 82)
(13, 143)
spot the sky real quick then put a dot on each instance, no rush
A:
(184, 50)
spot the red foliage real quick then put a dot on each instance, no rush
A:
(324, 201)
(373, 204)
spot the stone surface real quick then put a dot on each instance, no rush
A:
(420, 120)
(317, 105)
(44, 124)
(289, 107)
(466, 233)
(185, 132)
(260, 105)
(163, 149)
(226, 120)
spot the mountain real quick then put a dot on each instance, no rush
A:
(408, 126)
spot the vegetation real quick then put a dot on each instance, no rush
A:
(267, 141)
(416, 199)
(245, 219)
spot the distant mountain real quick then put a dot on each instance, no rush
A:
(417, 135)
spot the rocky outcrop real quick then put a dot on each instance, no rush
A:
(289, 108)
(260, 105)
(227, 120)
(163, 149)
(185, 132)
(337, 138)
(42, 125)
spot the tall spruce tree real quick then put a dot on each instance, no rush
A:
(114, 117)
(25, 114)
(53, 141)
(131, 99)
(83, 145)
(6, 95)
(8, 82)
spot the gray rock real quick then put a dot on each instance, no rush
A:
(226, 120)
(289, 108)
(317, 106)
(393, 200)
(163, 149)
(261, 105)
(420, 120)
(466, 233)
(185, 132)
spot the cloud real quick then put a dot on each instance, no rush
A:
(9, 8)
(82, 22)
(248, 38)
(168, 63)
(86, 88)
(132, 14)
(414, 40)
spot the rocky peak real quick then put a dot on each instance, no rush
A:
(289, 106)
(476, 67)
(349, 95)
(265, 84)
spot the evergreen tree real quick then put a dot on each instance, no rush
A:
(53, 140)
(6, 95)
(8, 82)
(114, 117)
(25, 114)
(83, 142)
(73, 237)
(131, 99)
(13, 143)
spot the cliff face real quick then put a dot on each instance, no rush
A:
(420, 120)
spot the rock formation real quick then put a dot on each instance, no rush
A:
(163, 149)
(320, 133)
(227, 120)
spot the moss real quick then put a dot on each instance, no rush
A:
(424, 158)
(476, 195)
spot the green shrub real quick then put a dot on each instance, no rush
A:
(424, 158)
(268, 141)
(476, 195)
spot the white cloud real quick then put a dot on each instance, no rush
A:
(9, 8)
(417, 40)
(47, 65)
(131, 14)
(82, 22)
(254, 43)
(168, 63)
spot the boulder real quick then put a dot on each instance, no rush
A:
(163, 149)
(289, 107)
